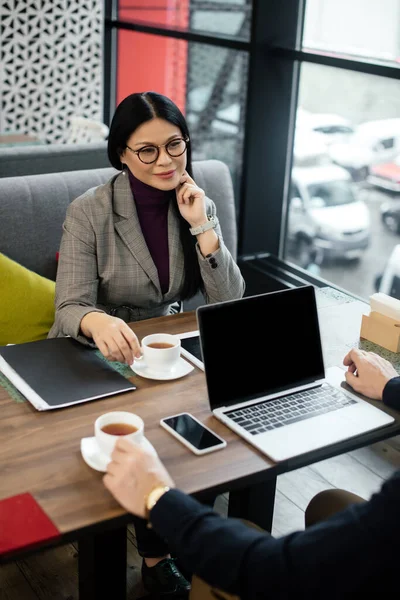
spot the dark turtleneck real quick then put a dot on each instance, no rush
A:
(152, 209)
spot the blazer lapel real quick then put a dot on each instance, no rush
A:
(129, 229)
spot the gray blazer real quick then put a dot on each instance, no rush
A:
(105, 263)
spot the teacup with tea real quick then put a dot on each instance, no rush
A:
(110, 427)
(161, 351)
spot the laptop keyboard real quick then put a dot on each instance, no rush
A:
(270, 414)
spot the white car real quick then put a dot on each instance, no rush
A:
(388, 282)
(325, 213)
(309, 148)
(331, 127)
(373, 142)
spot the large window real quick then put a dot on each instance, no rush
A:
(215, 110)
(344, 198)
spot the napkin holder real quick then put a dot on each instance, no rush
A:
(381, 330)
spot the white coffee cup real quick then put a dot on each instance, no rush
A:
(161, 351)
(121, 421)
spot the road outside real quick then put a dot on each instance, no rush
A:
(358, 276)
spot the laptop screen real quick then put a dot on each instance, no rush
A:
(260, 345)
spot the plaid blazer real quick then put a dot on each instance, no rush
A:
(105, 263)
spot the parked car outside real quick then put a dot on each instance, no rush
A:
(373, 143)
(390, 215)
(309, 148)
(333, 128)
(386, 175)
(325, 213)
(388, 282)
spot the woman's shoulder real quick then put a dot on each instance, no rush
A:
(97, 199)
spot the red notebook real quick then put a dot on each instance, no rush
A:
(23, 523)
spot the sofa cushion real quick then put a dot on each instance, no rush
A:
(27, 304)
(32, 211)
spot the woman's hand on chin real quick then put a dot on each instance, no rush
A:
(191, 201)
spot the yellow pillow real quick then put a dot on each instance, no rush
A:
(26, 303)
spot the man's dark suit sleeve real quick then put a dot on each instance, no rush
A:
(315, 563)
(391, 393)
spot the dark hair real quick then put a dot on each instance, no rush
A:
(132, 112)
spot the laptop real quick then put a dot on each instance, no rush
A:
(266, 380)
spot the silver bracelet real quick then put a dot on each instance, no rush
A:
(211, 223)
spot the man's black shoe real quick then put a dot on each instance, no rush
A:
(165, 580)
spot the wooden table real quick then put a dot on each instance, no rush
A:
(40, 453)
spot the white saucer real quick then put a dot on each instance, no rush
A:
(181, 369)
(95, 458)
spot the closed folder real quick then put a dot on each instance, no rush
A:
(58, 372)
(23, 523)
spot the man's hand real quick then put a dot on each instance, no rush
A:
(368, 373)
(115, 340)
(132, 474)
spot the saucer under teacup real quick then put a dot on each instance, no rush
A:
(96, 459)
(181, 369)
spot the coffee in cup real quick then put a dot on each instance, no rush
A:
(112, 426)
(119, 429)
(161, 351)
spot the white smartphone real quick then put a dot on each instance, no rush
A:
(192, 433)
(190, 347)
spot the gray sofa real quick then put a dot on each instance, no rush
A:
(52, 158)
(32, 211)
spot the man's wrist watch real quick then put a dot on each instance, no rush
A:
(211, 223)
(153, 497)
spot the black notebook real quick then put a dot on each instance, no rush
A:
(59, 372)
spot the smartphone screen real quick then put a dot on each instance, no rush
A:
(193, 431)
(191, 349)
(192, 345)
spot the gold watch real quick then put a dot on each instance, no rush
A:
(153, 497)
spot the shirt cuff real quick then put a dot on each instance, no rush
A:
(391, 393)
(208, 256)
(171, 509)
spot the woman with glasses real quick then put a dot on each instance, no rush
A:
(148, 239)
(135, 247)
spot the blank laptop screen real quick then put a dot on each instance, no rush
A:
(260, 345)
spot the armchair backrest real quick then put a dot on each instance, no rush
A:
(214, 177)
(32, 211)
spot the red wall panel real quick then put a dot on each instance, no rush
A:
(150, 62)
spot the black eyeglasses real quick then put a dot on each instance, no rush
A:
(149, 154)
